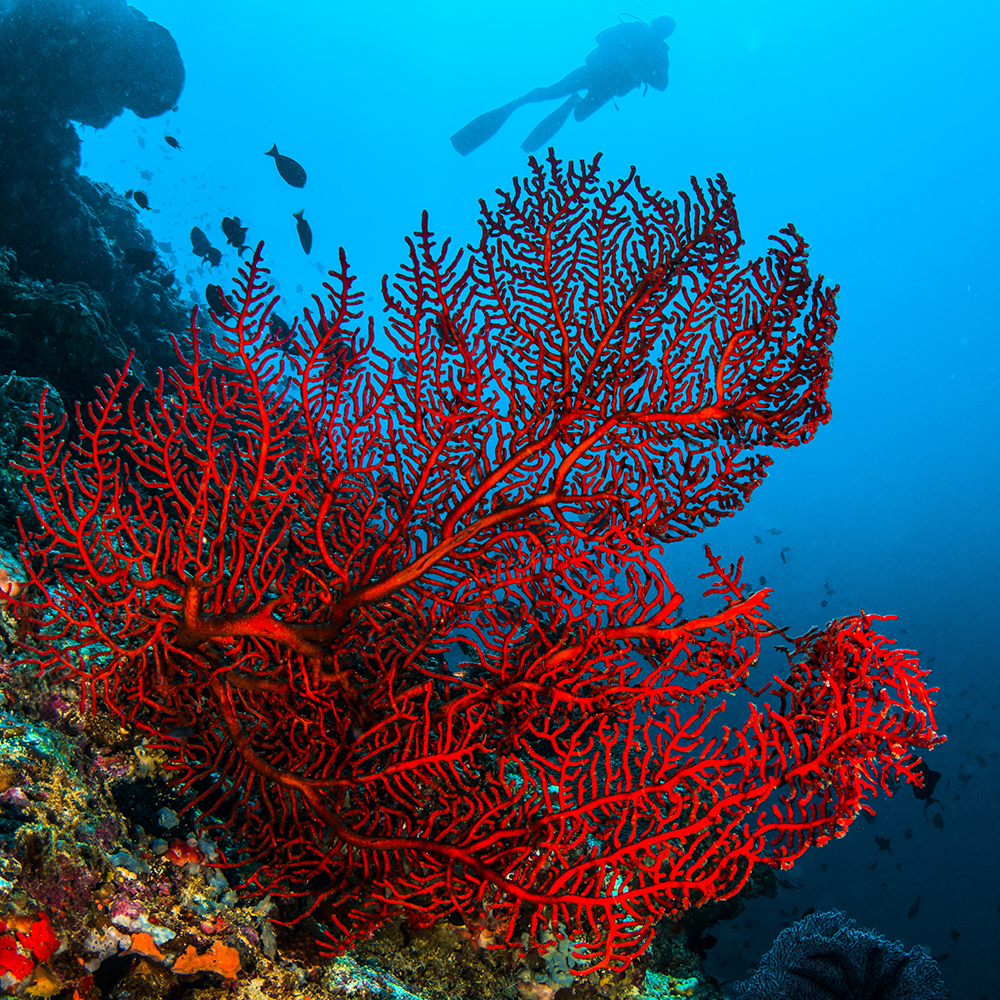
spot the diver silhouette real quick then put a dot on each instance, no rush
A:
(627, 56)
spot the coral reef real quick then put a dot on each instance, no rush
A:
(139, 913)
(826, 956)
(402, 623)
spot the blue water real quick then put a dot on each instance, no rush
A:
(872, 126)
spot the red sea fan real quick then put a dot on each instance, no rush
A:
(399, 618)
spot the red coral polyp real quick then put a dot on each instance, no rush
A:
(401, 617)
(40, 939)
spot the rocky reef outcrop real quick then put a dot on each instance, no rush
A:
(81, 283)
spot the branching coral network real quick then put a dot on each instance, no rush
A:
(398, 616)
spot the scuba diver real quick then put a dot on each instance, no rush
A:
(628, 55)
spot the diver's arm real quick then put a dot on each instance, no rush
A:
(657, 74)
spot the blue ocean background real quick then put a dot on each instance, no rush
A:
(872, 127)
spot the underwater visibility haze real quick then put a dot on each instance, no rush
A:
(481, 547)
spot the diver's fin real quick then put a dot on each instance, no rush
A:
(550, 124)
(466, 139)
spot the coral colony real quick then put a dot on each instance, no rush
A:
(399, 616)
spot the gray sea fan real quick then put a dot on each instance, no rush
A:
(826, 956)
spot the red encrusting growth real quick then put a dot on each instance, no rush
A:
(402, 614)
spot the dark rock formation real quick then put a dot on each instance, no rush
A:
(86, 61)
(80, 282)
(62, 60)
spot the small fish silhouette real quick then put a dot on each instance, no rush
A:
(763, 579)
(930, 780)
(883, 844)
(214, 256)
(235, 233)
(290, 170)
(914, 909)
(305, 233)
(774, 531)
(278, 328)
(200, 244)
(757, 539)
(141, 200)
(215, 300)
(172, 142)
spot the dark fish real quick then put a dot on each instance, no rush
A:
(200, 244)
(823, 604)
(883, 844)
(938, 821)
(141, 200)
(908, 833)
(305, 233)
(213, 296)
(783, 559)
(279, 329)
(166, 279)
(235, 233)
(763, 579)
(142, 142)
(141, 260)
(214, 256)
(774, 531)
(930, 779)
(290, 170)
(146, 175)
(172, 142)
(757, 539)
(914, 909)
(955, 935)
